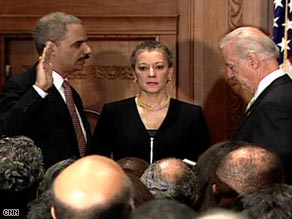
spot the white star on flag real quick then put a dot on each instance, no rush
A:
(284, 45)
(282, 32)
(275, 22)
(278, 3)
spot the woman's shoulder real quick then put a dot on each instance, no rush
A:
(120, 103)
(183, 104)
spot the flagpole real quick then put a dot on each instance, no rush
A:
(285, 60)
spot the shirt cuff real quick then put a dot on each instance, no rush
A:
(42, 93)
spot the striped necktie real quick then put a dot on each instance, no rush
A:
(72, 109)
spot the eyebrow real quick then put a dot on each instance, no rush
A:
(160, 62)
(229, 65)
(78, 42)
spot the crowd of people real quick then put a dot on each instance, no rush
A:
(150, 155)
(247, 181)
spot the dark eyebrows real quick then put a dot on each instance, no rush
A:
(157, 63)
(78, 42)
(231, 66)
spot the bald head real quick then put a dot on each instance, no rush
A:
(92, 182)
(171, 178)
(172, 169)
(250, 167)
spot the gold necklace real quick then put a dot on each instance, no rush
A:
(151, 108)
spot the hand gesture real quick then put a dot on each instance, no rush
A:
(44, 79)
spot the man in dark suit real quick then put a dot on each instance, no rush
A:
(34, 103)
(251, 59)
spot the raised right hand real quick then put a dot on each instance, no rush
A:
(44, 78)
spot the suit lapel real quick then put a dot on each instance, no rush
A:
(279, 81)
(58, 104)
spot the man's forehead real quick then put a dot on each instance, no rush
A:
(75, 30)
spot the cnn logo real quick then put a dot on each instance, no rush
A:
(11, 212)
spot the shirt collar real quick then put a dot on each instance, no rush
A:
(266, 81)
(58, 80)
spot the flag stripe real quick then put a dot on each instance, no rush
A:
(282, 32)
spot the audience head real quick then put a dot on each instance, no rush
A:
(272, 202)
(135, 164)
(163, 208)
(249, 55)
(51, 173)
(206, 170)
(220, 213)
(92, 187)
(171, 178)
(141, 194)
(246, 169)
(40, 208)
(249, 168)
(21, 168)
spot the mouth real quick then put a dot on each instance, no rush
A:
(151, 83)
(81, 61)
(233, 82)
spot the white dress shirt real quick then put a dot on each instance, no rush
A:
(264, 83)
(58, 83)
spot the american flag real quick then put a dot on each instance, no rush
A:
(282, 32)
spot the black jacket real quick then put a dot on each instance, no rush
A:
(45, 120)
(120, 130)
(269, 122)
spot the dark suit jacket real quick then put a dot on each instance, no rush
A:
(269, 121)
(120, 130)
(46, 120)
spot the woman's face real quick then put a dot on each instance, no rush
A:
(152, 71)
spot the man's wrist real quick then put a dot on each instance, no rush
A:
(40, 91)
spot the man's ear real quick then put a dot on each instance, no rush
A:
(132, 206)
(253, 61)
(53, 212)
(196, 200)
(215, 189)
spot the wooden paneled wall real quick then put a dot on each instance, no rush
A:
(191, 28)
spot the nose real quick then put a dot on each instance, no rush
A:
(87, 49)
(152, 72)
(230, 73)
